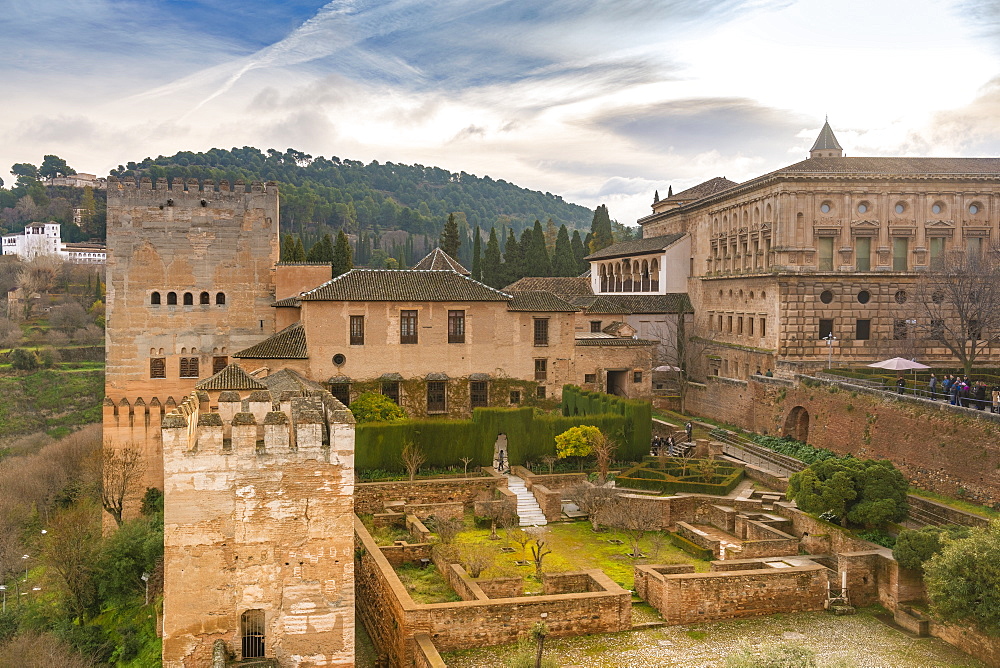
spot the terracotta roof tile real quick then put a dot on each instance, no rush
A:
(636, 247)
(289, 344)
(232, 377)
(613, 341)
(557, 285)
(404, 285)
(704, 189)
(539, 301)
(438, 259)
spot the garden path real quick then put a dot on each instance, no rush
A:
(527, 508)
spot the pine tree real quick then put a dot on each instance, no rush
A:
(477, 259)
(512, 259)
(563, 262)
(299, 253)
(342, 262)
(536, 257)
(600, 228)
(450, 240)
(579, 253)
(492, 269)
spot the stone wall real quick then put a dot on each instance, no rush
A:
(970, 640)
(425, 654)
(397, 555)
(939, 447)
(371, 497)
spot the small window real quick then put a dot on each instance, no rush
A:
(515, 397)
(864, 297)
(750, 326)
(220, 298)
(456, 326)
(189, 367)
(900, 329)
(219, 363)
(900, 296)
(252, 631)
(391, 390)
(203, 298)
(590, 377)
(900, 208)
(729, 323)
(825, 207)
(479, 396)
(863, 330)
(341, 392)
(825, 328)
(739, 325)
(763, 327)
(357, 330)
(158, 367)
(541, 331)
(407, 326)
(540, 392)
(541, 369)
(636, 376)
(863, 207)
(974, 209)
(171, 299)
(188, 299)
(154, 298)
(974, 247)
(937, 208)
(595, 326)
(436, 396)
(720, 323)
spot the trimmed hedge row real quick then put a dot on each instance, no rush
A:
(637, 430)
(659, 478)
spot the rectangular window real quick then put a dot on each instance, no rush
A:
(407, 326)
(341, 392)
(189, 367)
(720, 323)
(825, 328)
(541, 369)
(219, 363)
(763, 327)
(595, 326)
(357, 330)
(479, 394)
(158, 367)
(863, 330)
(540, 392)
(456, 326)
(636, 376)
(729, 322)
(750, 326)
(590, 377)
(974, 247)
(541, 331)
(863, 253)
(435, 396)
(900, 254)
(515, 397)
(937, 252)
(825, 248)
(391, 390)
(899, 329)
(739, 325)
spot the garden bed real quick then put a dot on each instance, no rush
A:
(695, 476)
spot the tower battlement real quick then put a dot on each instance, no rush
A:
(179, 186)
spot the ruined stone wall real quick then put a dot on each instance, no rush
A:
(261, 520)
(371, 497)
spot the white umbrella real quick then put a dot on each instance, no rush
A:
(899, 364)
(667, 368)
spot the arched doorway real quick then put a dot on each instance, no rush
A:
(797, 424)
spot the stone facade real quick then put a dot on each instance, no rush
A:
(257, 533)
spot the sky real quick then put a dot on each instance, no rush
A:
(599, 101)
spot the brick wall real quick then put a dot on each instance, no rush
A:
(425, 654)
(444, 510)
(549, 501)
(397, 555)
(371, 497)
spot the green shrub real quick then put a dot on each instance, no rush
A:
(963, 581)
(866, 492)
(23, 360)
(913, 547)
(376, 407)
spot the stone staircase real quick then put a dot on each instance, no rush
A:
(527, 508)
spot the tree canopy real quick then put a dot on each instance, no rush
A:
(375, 407)
(963, 579)
(865, 492)
(577, 441)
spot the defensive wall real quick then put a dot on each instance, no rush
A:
(946, 449)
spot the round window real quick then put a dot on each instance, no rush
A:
(864, 297)
(825, 208)
(862, 208)
(900, 296)
(826, 297)
(339, 359)
(973, 209)
(900, 208)
(937, 208)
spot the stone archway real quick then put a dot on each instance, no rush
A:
(797, 424)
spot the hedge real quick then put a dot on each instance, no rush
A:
(647, 476)
(529, 436)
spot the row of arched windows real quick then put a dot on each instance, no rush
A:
(156, 299)
(630, 276)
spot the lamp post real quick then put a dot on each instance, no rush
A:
(829, 338)
(145, 579)
(24, 558)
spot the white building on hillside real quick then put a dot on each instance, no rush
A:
(46, 239)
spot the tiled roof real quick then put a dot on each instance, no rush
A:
(826, 139)
(539, 301)
(617, 327)
(612, 341)
(915, 166)
(557, 285)
(288, 301)
(710, 187)
(636, 247)
(286, 380)
(601, 304)
(438, 259)
(403, 285)
(675, 302)
(232, 377)
(288, 344)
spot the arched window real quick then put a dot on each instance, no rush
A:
(645, 276)
(154, 298)
(220, 298)
(654, 276)
(252, 631)
(171, 299)
(204, 299)
(188, 299)
(604, 278)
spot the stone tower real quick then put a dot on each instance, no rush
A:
(189, 279)
(258, 530)
(826, 144)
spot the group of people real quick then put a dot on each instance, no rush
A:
(668, 446)
(960, 391)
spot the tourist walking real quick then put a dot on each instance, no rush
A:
(900, 385)
(689, 428)
(980, 395)
(932, 386)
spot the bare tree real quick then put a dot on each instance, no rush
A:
(635, 519)
(958, 306)
(477, 557)
(681, 352)
(41, 650)
(538, 553)
(497, 513)
(466, 461)
(550, 461)
(593, 501)
(603, 448)
(122, 472)
(447, 528)
(521, 537)
(413, 458)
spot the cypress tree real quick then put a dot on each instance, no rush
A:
(492, 269)
(287, 248)
(536, 257)
(299, 253)
(600, 228)
(477, 260)
(450, 240)
(342, 262)
(512, 259)
(579, 253)
(563, 261)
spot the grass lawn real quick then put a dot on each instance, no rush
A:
(426, 585)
